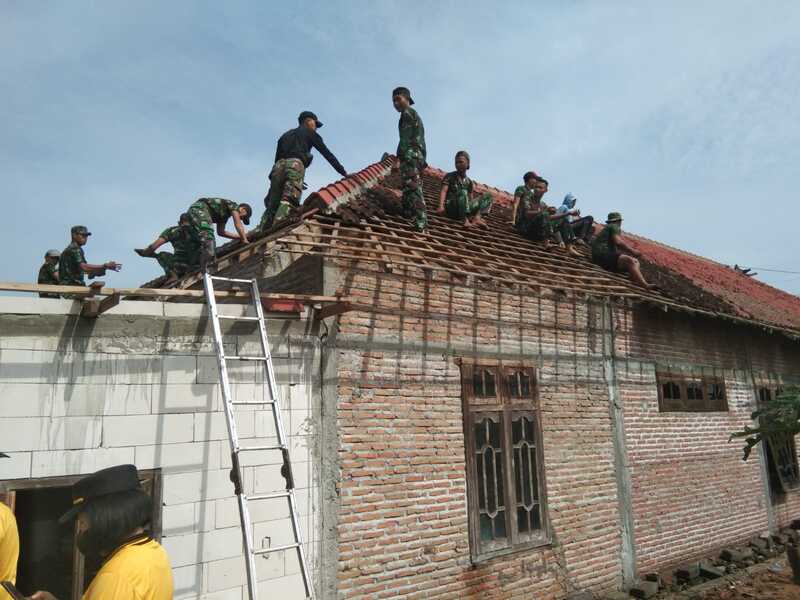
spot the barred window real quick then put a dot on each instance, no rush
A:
(505, 483)
(687, 393)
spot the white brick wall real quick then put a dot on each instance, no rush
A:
(70, 407)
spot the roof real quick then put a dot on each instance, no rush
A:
(357, 218)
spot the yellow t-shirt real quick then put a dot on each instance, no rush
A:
(9, 547)
(139, 570)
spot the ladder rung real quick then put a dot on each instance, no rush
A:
(251, 402)
(269, 496)
(249, 281)
(257, 448)
(235, 318)
(275, 549)
(261, 358)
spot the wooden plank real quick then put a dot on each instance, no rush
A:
(331, 310)
(160, 293)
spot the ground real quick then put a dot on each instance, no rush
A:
(772, 581)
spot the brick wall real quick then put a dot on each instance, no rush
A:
(402, 515)
(78, 395)
(403, 510)
(692, 493)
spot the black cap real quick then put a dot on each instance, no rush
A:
(403, 91)
(122, 478)
(531, 175)
(183, 217)
(246, 219)
(307, 114)
(80, 229)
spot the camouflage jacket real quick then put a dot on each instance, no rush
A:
(185, 244)
(412, 137)
(47, 274)
(69, 270)
(220, 209)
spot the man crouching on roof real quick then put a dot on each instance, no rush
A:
(458, 200)
(607, 252)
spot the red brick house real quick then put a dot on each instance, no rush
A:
(503, 421)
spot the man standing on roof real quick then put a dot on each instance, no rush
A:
(48, 272)
(207, 212)
(187, 250)
(72, 265)
(292, 158)
(458, 200)
(524, 198)
(412, 155)
(607, 250)
(574, 227)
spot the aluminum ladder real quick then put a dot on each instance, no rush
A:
(236, 449)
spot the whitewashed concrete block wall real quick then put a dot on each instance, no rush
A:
(140, 385)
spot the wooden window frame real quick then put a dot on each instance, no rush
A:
(8, 495)
(506, 408)
(704, 383)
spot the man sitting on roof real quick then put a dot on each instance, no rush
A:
(606, 251)
(72, 264)
(187, 250)
(207, 211)
(458, 200)
(292, 158)
(573, 228)
(523, 198)
(539, 222)
(48, 272)
(412, 155)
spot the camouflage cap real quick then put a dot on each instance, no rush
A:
(52, 254)
(80, 229)
(403, 91)
(614, 217)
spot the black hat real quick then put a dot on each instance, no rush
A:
(307, 114)
(80, 229)
(246, 219)
(531, 175)
(122, 478)
(403, 91)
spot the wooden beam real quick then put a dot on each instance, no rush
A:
(331, 310)
(160, 293)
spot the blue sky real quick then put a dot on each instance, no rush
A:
(685, 116)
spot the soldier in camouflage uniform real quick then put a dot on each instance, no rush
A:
(207, 212)
(611, 252)
(524, 199)
(72, 265)
(412, 155)
(538, 221)
(292, 158)
(458, 200)
(187, 250)
(48, 272)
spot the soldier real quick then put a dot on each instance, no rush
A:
(539, 222)
(412, 156)
(205, 212)
(607, 252)
(292, 158)
(457, 198)
(72, 264)
(48, 272)
(523, 198)
(187, 250)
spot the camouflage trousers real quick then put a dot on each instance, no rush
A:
(537, 228)
(285, 190)
(175, 264)
(413, 199)
(463, 206)
(202, 228)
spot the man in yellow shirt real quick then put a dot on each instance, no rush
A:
(9, 545)
(112, 512)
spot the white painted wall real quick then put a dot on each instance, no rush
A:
(71, 406)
